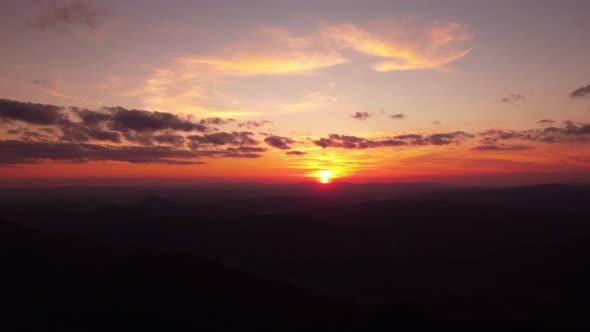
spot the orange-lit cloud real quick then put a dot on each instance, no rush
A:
(436, 46)
(283, 52)
(279, 63)
(198, 83)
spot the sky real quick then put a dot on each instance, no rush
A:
(457, 91)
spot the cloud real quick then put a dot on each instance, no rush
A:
(274, 63)
(113, 124)
(23, 152)
(512, 98)
(545, 122)
(175, 140)
(93, 124)
(278, 51)
(433, 47)
(19, 152)
(138, 120)
(570, 132)
(354, 142)
(278, 142)
(296, 153)
(64, 14)
(30, 135)
(247, 149)
(270, 51)
(216, 121)
(361, 115)
(580, 92)
(68, 133)
(398, 116)
(223, 138)
(446, 138)
(254, 124)
(37, 114)
(76, 132)
(89, 117)
(193, 82)
(502, 147)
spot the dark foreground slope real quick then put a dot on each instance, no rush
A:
(359, 259)
(56, 282)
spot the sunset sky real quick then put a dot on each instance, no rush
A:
(457, 91)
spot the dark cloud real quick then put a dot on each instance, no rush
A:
(216, 121)
(123, 120)
(346, 142)
(410, 136)
(398, 116)
(250, 149)
(19, 152)
(545, 122)
(76, 132)
(447, 138)
(246, 149)
(36, 114)
(29, 135)
(170, 139)
(436, 123)
(296, 153)
(224, 138)
(502, 147)
(278, 142)
(22, 152)
(354, 142)
(361, 115)
(64, 14)
(45, 83)
(580, 92)
(143, 138)
(392, 142)
(231, 154)
(570, 132)
(138, 120)
(73, 128)
(113, 124)
(117, 118)
(434, 139)
(512, 98)
(254, 124)
(323, 142)
(91, 118)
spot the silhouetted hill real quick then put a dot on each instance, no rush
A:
(52, 281)
(501, 258)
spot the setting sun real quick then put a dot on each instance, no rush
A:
(324, 176)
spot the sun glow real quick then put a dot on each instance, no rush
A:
(324, 176)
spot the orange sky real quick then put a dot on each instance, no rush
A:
(386, 91)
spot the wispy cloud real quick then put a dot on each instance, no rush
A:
(512, 98)
(545, 122)
(502, 147)
(197, 83)
(355, 142)
(399, 47)
(398, 116)
(296, 153)
(580, 92)
(431, 47)
(279, 142)
(35, 132)
(62, 15)
(361, 115)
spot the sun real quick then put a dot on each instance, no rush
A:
(324, 176)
